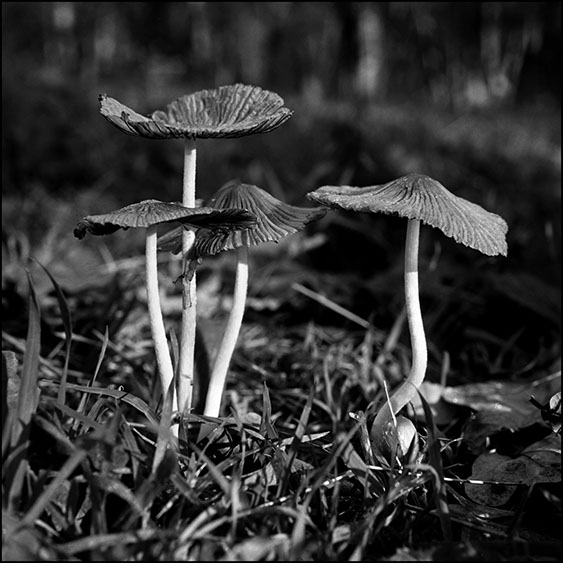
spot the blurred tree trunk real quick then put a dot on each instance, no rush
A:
(371, 50)
(60, 45)
(504, 46)
(455, 53)
(251, 36)
(105, 41)
(343, 64)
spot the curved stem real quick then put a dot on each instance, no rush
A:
(189, 311)
(407, 390)
(163, 359)
(228, 343)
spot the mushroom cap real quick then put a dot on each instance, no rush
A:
(152, 212)
(417, 196)
(274, 221)
(226, 112)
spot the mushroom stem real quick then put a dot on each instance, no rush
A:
(163, 360)
(381, 429)
(188, 327)
(228, 343)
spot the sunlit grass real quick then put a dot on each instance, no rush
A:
(286, 474)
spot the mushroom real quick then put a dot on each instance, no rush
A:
(148, 214)
(226, 112)
(274, 221)
(419, 198)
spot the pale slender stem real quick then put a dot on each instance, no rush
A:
(189, 301)
(407, 390)
(228, 343)
(162, 352)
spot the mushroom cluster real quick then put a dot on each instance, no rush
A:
(420, 199)
(240, 215)
(274, 221)
(227, 112)
(149, 214)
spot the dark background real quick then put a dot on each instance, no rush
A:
(467, 92)
(360, 65)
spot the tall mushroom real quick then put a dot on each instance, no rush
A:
(226, 112)
(419, 198)
(149, 214)
(274, 221)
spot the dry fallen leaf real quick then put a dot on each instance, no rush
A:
(499, 405)
(539, 463)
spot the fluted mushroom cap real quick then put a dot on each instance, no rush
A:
(226, 112)
(152, 212)
(274, 221)
(417, 196)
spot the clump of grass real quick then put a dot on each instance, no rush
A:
(288, 476)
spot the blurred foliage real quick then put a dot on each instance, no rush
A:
(58, 56)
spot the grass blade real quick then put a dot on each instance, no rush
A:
(67, 323)
(215, 472)
(124, 396)
(51, 490)
(331, 305)
(165, 437)
(10, 385)
(28, 398)
(435, 461)
(298, 436)
(266, 426)
(82, 405)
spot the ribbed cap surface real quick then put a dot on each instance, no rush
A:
(417, 196)
(274, 221)
(226, 112)
(151, 212)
